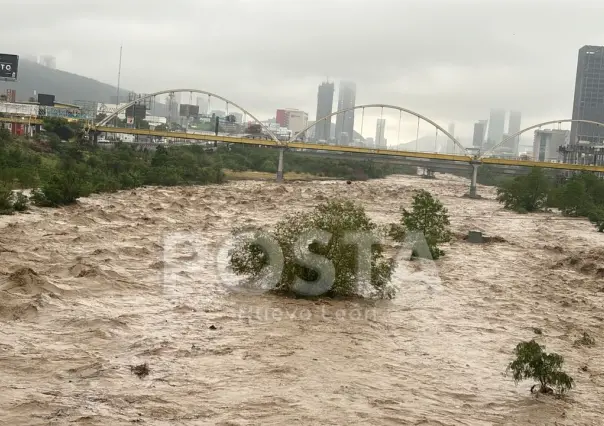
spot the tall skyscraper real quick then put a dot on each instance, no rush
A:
(380, 130)
(513, 127)
(496, 127)
(324, 108)
(480, 128)
(346, 99)
(589, 96)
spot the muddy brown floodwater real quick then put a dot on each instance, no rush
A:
(90, 290)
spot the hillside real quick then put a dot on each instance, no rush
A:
(66, 87)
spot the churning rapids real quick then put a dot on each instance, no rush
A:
(89, 291)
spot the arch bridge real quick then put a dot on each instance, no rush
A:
(294, 141)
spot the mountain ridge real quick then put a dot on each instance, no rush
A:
(67, 87)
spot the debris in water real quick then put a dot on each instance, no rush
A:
(212, 327)
(141, 370)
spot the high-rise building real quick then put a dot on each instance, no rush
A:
(450, 143)
(480, 128)
(513, 128)
(496, 127)
(346, 99)
(589, 96)
(546, 144)
(324, 108)
(380, 130)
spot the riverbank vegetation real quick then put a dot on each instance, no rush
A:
(61, 165)
(581, 195)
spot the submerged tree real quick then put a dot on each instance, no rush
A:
(333, 251)
(429, 217)
(532, 362)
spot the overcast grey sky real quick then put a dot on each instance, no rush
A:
(449, 60)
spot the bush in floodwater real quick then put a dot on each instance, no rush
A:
(6, 200)
(20, 202)
(585, 340)
(427, 216)
(596, 216)
(337, 219)
(532, 362)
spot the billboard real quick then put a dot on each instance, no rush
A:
(9, 67)
(189, 110)
(139, 112)
(46, 100)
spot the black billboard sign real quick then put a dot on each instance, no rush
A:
(46, 100)
(9, 66)
(138, 112)
(189, 110)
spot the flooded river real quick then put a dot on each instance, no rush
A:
(90, 290)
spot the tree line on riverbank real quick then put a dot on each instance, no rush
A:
(62, 166)
(581, 195)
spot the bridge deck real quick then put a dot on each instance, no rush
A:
(324, 147)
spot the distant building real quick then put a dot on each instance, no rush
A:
(380, 129)
(450, 143)
(346, 99)
(324, 108)
(546, 144)
(281, 118)
(292, 119)
(238, 117)
(202, 103)
(480, 128)
(511, 146)
(310, 133)
(296, 120)
(496, 127)
(343, 139)
(218, 113)
(589, 96)
(370, 143)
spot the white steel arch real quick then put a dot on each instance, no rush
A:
(203, 92)
(408, 111)
(545, 123)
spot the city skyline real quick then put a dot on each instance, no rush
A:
(454, 85)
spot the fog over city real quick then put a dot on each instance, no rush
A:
(451, 61)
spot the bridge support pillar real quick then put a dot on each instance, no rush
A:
(280, 166)
(473, 182)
